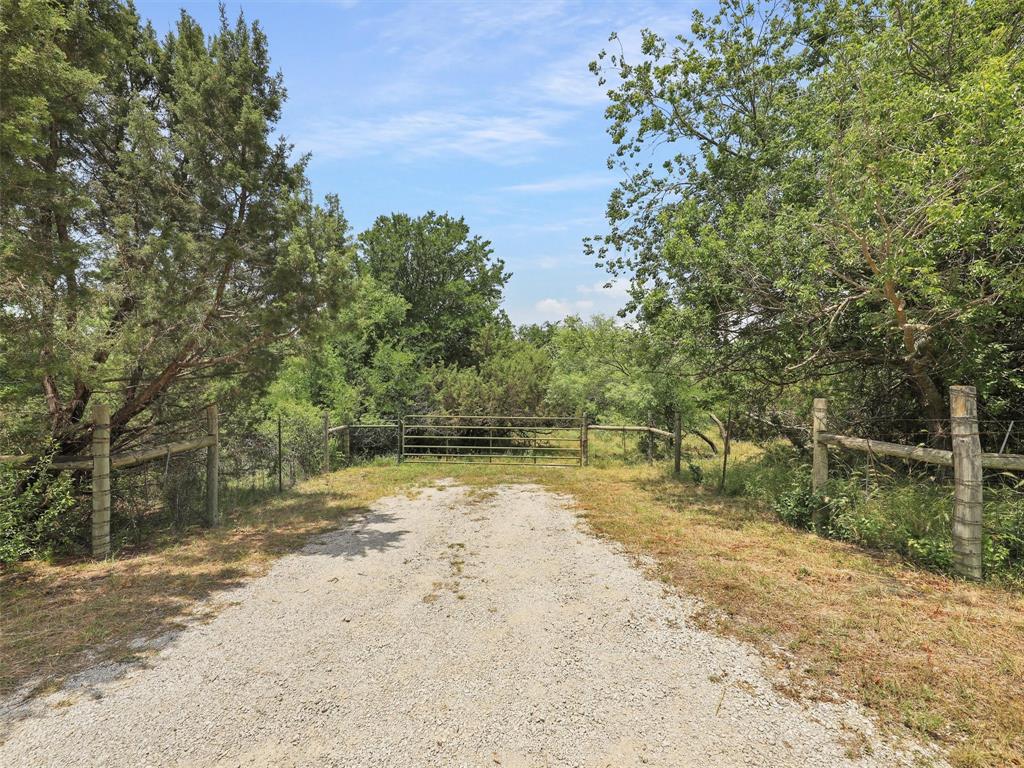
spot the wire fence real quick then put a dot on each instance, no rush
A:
(907, 506)
(1003, 523)
(368, 442)
(877, 501)
(163, 497)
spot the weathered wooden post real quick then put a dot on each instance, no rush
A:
(584, 441)
(401, 439)
(967, 476)
(726, 437)
(677, 444)
(650, 439)
(100, 481)
(327, 442)
(280, 458)
(346, 445)
(212, 465)
(819, 456)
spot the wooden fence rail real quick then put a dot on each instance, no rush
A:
(966, 458)
(101, 462)
(631, 428)
(673, 437)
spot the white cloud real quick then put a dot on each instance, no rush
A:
(553, 309)
(596, 300)
(429, 133)
(572, 183)
(492, 81)
(556, 309)
(616, 288)
(542, 227)
(570, 82)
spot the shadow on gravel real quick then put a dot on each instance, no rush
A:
(359, 539)
(71, 628)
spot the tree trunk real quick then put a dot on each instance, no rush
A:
(933, 403)
(705, 438)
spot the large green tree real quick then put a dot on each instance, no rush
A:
(611, 372)
(154, 230)
(449, 279)
(830, 197)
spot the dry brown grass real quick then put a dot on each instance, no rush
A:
(940, 657)
(56, 620)
(943, 658)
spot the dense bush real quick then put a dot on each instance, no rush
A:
(1004, 534)
(38, 514)
(909, 514)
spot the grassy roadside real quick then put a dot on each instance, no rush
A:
(56, 620)
(943, 658)
(940, 657)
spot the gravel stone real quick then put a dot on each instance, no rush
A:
(451, 629)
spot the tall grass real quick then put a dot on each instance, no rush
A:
(890, 507)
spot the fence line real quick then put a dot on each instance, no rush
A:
(344, 431)
(966, 458)
(101, 462)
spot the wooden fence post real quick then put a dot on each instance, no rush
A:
(819, 460)
(967, 476)
(726, 437)
(650, 439)
(280, 457)
(100, 481)
(327, 443)
(401, 438)
(584, 441)
(346, 445)
(212, 465)
(677, 444)
(819, 456)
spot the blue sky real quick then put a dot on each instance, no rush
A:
(485, 110)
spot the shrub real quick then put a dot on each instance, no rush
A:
(1004, 535)
(890, 510)
(933, 553)
(795, 505)
(38, 513)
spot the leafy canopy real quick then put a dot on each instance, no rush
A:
(823, 192)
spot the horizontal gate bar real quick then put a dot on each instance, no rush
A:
(562, 455)
(496, 427)
(496, 438)
(492, 463)
(571, 419)
(501, 453)
(343, 427)
(464, 446)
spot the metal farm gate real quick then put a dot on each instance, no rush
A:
(542, 441)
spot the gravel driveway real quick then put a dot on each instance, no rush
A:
(457, 628)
